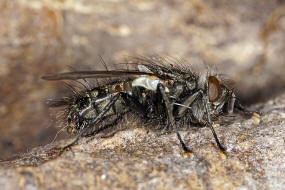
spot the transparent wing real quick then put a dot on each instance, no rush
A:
(93, 74)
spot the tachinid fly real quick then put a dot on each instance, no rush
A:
(157, 91)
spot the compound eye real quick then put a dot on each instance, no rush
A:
(214, 88)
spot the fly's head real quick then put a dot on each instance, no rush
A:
(220, 97)
(210, 95)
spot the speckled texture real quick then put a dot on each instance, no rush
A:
(140, 159)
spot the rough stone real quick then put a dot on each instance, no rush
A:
(140, 159)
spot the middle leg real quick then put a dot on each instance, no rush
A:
(168, 106)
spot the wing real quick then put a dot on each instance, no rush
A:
(164, 67)
(93, 74)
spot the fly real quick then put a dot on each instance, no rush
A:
(155, 90)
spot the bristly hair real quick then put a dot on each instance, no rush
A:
(196, 67)
(169, 63)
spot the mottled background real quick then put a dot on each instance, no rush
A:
(243, 38)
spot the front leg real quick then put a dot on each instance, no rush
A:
(210, 125)
(244, 110)
(231, 104)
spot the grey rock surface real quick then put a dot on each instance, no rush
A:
(141, 159)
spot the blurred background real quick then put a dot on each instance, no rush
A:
(243, 38)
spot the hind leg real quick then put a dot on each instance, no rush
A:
(93, 122)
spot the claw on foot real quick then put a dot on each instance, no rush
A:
(187, 154)
(256, 117)
(223, 154)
